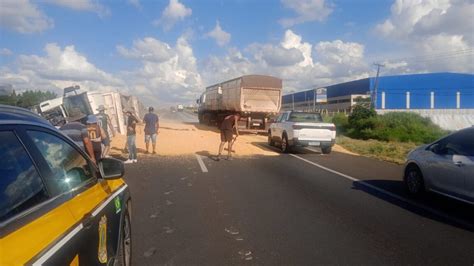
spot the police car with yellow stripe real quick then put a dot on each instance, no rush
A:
(56, 206)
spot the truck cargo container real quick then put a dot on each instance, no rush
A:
(255, 97)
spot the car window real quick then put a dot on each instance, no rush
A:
(20, 184)
(461, 143)
(305, 117)
(279, 118)
(69, 168)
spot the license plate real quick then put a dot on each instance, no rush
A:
(316, 143)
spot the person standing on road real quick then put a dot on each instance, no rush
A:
(77, 132)
(131, 137)
(152, 124)
(96, 135)
(105, 123)
(227, 134)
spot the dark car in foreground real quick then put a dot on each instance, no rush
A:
(57, 207)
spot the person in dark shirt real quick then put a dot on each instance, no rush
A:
(105, 123)
(227, 134)
(152, 124)
(131, 137)
(77, 132)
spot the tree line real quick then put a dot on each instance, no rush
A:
(28, 98)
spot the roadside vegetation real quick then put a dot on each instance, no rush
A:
(388, 137)
(26, 99)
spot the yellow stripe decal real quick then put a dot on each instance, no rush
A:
(28, 241)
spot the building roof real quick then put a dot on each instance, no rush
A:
(432, 81)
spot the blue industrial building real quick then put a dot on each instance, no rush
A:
(441, 96)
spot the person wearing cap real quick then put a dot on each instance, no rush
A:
(105, 124)
(96, 135)
(152, 124)
(77, 132)
(131, 137)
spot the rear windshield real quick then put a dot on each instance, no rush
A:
(305, 117)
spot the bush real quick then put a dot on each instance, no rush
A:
(341, 122)
(365, 124)
(409, 127)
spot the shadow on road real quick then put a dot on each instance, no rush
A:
(177, 129)
(437, 208)
(199, 126)
(276, 148)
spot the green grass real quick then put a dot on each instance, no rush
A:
(391, 151)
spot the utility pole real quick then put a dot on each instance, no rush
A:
(293, 101)
(374, 98)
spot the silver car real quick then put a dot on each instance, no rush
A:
(445, 166)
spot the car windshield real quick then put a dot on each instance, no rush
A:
(305, 117)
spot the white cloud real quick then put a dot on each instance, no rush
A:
(147, 49)
(293, 60)
(306, 10)
(168, 74)
(219, 35)
(135, 3)
(5, 52)
(439, 33)
(292, 40)
(280, 56)
(174, 12)
(342, 58)
(58, 68)
(23, 16)
(82, 5)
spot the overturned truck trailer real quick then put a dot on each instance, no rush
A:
(255, 97)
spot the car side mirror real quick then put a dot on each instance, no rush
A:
(111, 168)
(272, 120)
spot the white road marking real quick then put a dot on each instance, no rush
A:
(383, 191)
(201, 163)
(58, 245)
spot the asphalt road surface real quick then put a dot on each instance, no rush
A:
(293, 209)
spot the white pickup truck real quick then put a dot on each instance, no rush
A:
(302, 129)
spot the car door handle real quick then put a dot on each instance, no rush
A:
(459, 163)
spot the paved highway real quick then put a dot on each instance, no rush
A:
(292, 209)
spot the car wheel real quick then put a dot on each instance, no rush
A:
(326, 150)
(124, 253)
(414, 182)
(271, 142)
(285, 147)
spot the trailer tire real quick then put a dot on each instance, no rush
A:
(285, 146)
(271, 142)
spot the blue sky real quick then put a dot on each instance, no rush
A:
(169, 50)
